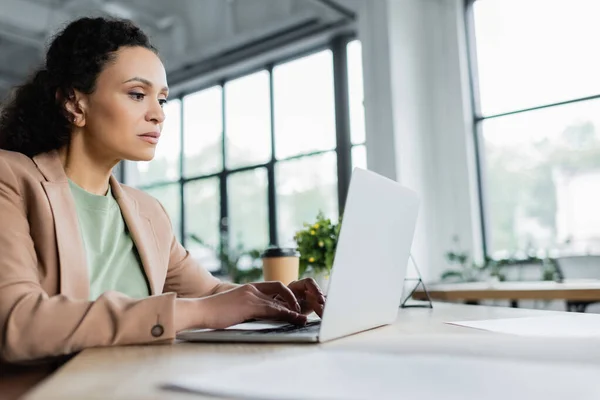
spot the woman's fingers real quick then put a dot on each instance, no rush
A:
(272, 309)
(313, 288)
(306, 287)
(279, 290)
(290, 303)
(280, 313)
(312, 302)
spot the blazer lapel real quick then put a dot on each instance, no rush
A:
(142, 232)
(74, 279)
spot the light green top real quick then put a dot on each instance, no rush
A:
(112, 259)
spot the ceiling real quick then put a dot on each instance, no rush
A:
(186, 32)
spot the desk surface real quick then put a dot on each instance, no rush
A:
(576, 290)
(136, 372)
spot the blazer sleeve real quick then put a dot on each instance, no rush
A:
(34, 325)
(185, 276)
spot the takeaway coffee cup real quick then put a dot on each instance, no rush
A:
(280, 264)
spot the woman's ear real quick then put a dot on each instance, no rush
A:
(75, 105)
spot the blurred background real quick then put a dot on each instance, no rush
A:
(488, 108)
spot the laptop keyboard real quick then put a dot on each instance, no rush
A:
(312, 326)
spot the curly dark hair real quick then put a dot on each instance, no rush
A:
(35, 120)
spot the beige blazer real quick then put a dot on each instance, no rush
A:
(44, 283)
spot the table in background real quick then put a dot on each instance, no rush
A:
(576, 293)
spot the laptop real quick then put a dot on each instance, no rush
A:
(368, 272)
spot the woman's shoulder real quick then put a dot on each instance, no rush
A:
(14, 158)
(18, 164)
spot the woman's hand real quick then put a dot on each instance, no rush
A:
(265, 300)
(309, 295)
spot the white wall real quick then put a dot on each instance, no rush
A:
(419, 118)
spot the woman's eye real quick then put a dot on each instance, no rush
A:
(162, 102)
(137, 96)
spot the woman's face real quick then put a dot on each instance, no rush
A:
(123, 117)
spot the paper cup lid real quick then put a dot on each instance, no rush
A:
(280, 252)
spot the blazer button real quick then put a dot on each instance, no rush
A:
(157, 330)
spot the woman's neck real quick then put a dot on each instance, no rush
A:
(90, 172)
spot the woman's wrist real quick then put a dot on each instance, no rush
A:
(223, 287)
(188, 314)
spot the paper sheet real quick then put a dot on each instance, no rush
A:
(338, 374)
(567, 325)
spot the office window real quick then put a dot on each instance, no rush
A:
(304, 107)
(356, 98)
(359, 156)
(202, 221)
(305, 186)
(203, 132)
(258, 154)
(537, 123)
(248, 220)
(304, 124)
(248, 120)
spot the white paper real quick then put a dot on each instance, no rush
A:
(566, 325)
(351, 375)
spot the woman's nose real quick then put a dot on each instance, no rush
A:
(156, 113)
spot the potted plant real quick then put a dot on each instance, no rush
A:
(317, 243)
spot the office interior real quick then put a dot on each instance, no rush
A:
(273, 103)
(488, 109)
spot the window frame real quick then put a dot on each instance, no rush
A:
(479, 118)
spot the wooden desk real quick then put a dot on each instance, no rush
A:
(136, 372)
(570, 291)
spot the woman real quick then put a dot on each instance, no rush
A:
(85, 261)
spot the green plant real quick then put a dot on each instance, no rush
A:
(317, 243)
(464, 271)
(231, 257)
(472, 271)
(551, 270)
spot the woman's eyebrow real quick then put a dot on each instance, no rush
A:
(145, 82)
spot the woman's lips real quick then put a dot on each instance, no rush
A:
(150, 137)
